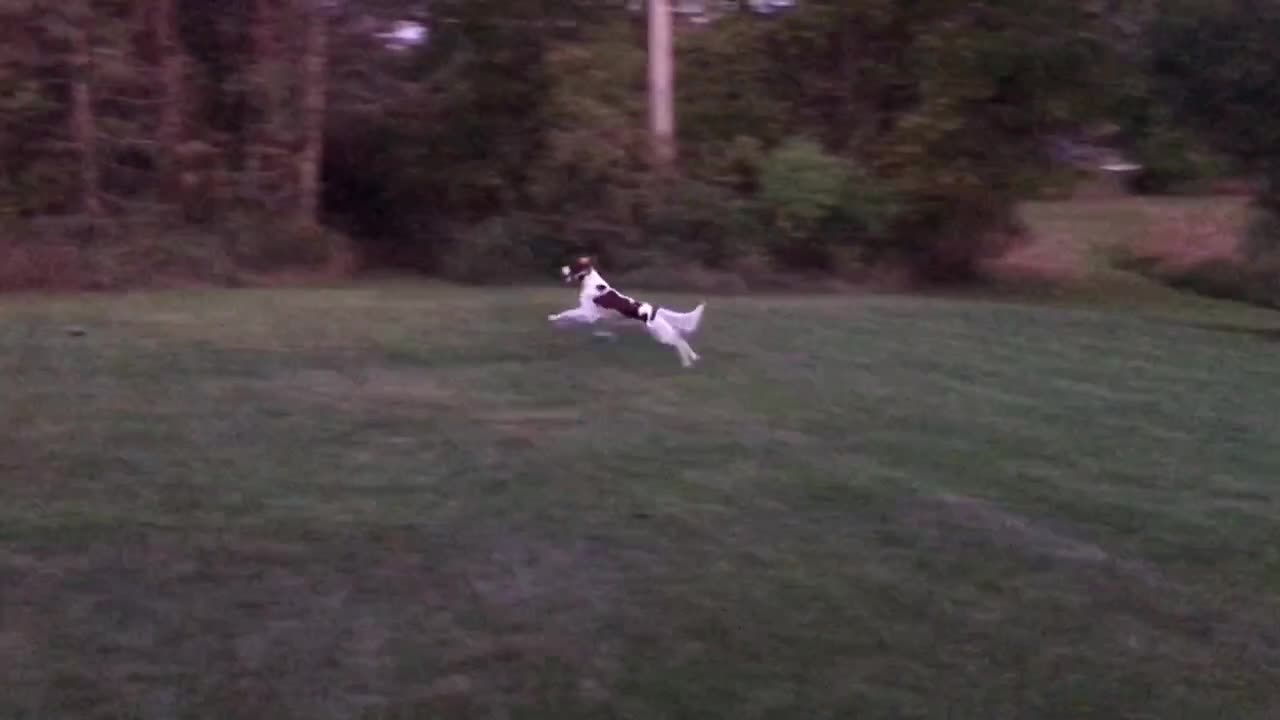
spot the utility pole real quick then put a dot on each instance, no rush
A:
(662, 111)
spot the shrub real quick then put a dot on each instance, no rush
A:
(1261, 241)
(947, 239)
(495, 250)
(1229, 280)
(801, 183)
(1252, 276)
(34, 261)
(702, 223)
(820, 205)
(867, 213)
(1173, 162)
(164, 255)
(116, 255)
(255, 244)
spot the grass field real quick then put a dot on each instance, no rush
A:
(405, 501)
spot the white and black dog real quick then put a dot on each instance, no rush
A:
(597, 302)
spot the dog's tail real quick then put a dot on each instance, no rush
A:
(685, 323)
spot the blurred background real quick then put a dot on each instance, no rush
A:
(160, 141)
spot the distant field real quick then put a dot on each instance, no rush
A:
(1073, 239)
(403, 501)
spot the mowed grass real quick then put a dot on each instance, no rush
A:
(421, 502)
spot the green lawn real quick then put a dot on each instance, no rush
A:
(420, 502)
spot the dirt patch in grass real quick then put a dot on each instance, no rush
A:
(529, 426)
(417, 392)
(943, 514)
(520, 417)
(1197, 249)
(1074, 239)
(364, 385)
(1046, 259)
(1182, 236)
(1265, 334)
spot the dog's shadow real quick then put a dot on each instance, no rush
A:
(634, 353)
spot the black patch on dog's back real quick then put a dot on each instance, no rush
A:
(613, 300)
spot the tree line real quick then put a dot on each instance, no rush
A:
(219, 139)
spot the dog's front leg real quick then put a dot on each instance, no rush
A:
(577, 315)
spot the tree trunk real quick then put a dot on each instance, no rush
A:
(84, 128)
(1268, 196)
(264, 62)
(171, 77)
(314, 82)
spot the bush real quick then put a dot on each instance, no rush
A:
(34, 260)
(947, 239)
(1173, 162)
(867, 213)
(1253, 277)
(496, 250)
(702, 223)
(801, 184)
(801, 187)
(1229, 280)
(1261, 241)
(255, 244)
(819, 205)
(115, 255)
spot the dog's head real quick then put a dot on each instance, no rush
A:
(576, 270)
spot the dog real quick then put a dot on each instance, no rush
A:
(598, 302)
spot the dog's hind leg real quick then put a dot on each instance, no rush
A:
(688, 354)
(664, 333)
